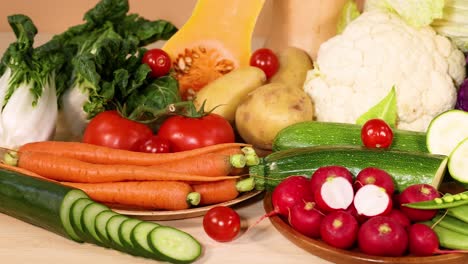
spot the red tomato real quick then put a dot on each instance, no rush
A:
(221, 223)
(159, 62)
(376, 133)
(186, 133)
(266, 60)
(155, 144)
(112, 130)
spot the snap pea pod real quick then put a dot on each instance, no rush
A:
(460, 212)
(448, 238)
(444, 202)
(451, 223)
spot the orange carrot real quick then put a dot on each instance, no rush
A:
(216, 192)
(23, 171)
(210, 164)
(71, 170)
(163, 195)
(104, 155)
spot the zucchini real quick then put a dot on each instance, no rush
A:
(101, 226)
(75, 214)
(458, 162)
(313, 133)
(88, 221)
(112, 229)
(39, 202)
(446, 131)
(139, 238)
(125, 232)
(407, 168)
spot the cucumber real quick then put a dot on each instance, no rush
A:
(88, 220)
(125, 232)
(407, 168)
(100, 225)
(446, 131)
(75, 214)
(139, 238)
(39, 202)
(112, 228)
(174, 245)
(458, 162)
(313, 133)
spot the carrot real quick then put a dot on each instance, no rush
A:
(104, 155)
(210, 164)
(163, 195)
(216, 192)
(71, 170)
(23, 171)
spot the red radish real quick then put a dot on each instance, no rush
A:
(339, 229)
(372, 200)
(372, 175)
(382, 236)
(335, 193)
(352, 210)
(400, 218)
(418, 193)
(306, 219)
(396, 200)
(423, 241)
(323, 173)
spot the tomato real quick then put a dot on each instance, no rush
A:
(186, 133)
(221, 223)
(266, 60)
(155, 144)
(159, 62)
(375, 133)
(112, 130)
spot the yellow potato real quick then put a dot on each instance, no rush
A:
(228, 91)
(294, 65)
(268, 109)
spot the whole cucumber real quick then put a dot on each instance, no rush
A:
(314, 133)
(406, 168)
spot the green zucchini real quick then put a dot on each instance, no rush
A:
(39, 202)
(101, 226)
(125, 232)
(75, 214)
(313, 133)
(112, 228)
(407, 168)
(88, 221)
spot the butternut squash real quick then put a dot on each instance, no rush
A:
(215, 40)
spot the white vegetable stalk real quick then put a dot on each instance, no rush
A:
(75, 118)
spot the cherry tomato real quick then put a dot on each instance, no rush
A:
(186, 133)
(266, 60)
(375, 133)
(112, 130)
(221, 223)
(155, 144)
(159, 62)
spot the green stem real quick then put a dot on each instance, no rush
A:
(11, 158)
(245, 185)
(193, 198)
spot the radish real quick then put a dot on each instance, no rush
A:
(382, 236)
(399, 217)
(334, 194)
(423, 241)
(372, 175)
(326, 172)
(418, 193)
(339, 229)
(306, 219)
(352, 210)
(372, 200)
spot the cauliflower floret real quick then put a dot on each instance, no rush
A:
(357, 69)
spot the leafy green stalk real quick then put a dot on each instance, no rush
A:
(386, 110)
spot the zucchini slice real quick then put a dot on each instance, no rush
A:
(101, 222)
(458, 162)
(112, 228)
(76, 212)
(39, 202)
(88, 221)
(125, 232)
(139, 238)
(446, 131)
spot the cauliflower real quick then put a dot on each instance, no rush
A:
(358, 68)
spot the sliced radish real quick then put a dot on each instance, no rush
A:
(372, 200)
(373, 175)
(334, 194)
(458, 162)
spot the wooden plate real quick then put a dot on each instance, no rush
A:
(180, 214)
(322, 250)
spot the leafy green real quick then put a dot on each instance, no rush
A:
(417, 13)
(454, 23)
(349, 12)
(386, 109)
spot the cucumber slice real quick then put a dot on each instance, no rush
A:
(125, 232)
(112, 229)
(75, 214)
(139, 238)
(88, 220)
(101, 222)
(446, 131)
(174, 245)
(458, 162)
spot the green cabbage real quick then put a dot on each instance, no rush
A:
(454, 23)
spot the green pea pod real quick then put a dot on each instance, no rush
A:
(460, 212)
(451, 223)
(451, 239)
(445, 202)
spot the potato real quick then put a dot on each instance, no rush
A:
(228, 91)
(268, 109)
(294, 65)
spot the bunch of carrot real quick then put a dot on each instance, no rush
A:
(165, 181)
